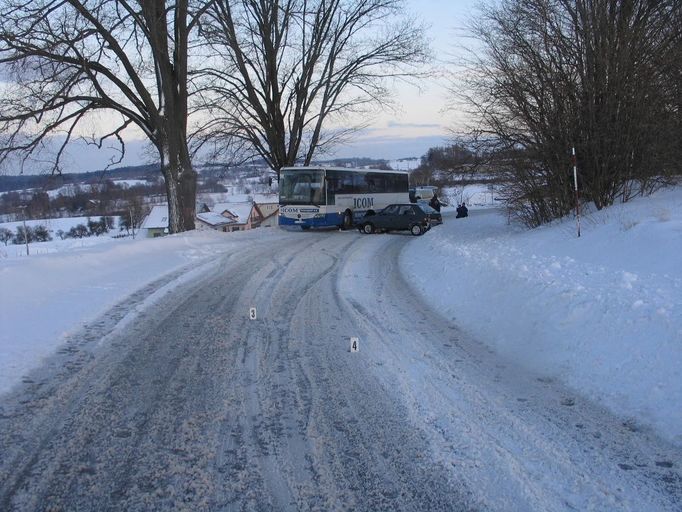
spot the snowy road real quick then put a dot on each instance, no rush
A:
(194, 406)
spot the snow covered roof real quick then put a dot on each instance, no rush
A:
(214, 219)
(240, 210)
(266, 198)
(157, 218)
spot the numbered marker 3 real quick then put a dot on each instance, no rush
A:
(252, 313)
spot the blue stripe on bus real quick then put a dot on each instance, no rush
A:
(329, 220)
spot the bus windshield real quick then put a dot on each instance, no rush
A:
(302, 187)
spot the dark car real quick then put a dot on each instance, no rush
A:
(436, 217)
(397, 217)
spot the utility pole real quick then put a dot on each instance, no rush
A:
(132, 225)
(575, 184)
(23, 209)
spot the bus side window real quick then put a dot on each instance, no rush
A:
(376, 182)
(398, 183)
(332, 185)
(347, 183)
(359, 184)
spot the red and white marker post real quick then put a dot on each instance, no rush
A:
(575, 183)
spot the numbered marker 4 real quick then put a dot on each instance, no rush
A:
(354, 344)
(252, 313)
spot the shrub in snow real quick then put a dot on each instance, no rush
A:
(23, 234)
(78, 231)
(95, 227)
(41, 234)
(5, 235)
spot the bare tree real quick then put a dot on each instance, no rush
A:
(133, 216)
(5, 235)
(69, 60)
(289, 67)
(555, 74)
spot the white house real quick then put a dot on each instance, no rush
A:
(238, 213)
(243, 215)
(267, 206)
(156, 223)
(216, 221)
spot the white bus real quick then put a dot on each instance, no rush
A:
(327, 197)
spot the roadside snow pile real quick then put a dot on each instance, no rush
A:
(603, 312)
(46, 297)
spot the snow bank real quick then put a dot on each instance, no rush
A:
(46, 297)
(603, 312)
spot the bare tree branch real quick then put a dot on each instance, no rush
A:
(68, 59)
(597, 75)
(288, 68)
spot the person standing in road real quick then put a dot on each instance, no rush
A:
(435, 203)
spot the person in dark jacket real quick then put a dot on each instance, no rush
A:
(435, 203)
(462, 211)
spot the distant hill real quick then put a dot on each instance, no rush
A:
(352, 162)
(48, 182)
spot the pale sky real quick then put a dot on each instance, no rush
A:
(418, 123)
(421, 121)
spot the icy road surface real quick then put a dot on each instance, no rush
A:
(195, 406)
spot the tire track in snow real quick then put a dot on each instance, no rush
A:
(196, 407)
(512, 437)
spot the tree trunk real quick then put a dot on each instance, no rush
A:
(181, 187)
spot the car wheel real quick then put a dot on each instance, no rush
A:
(416, 230)
(347, 222)
(368, 228)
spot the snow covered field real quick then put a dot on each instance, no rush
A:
(56, 245)
(602, 313)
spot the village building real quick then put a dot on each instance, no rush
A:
(242, 216)
(156, 223)
(215, 221)
(237, 213)
(268, 205)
